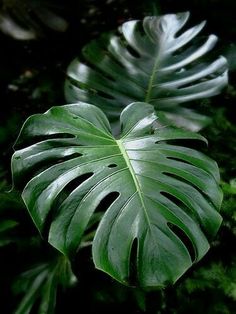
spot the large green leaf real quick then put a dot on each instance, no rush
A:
(150, 62)
(160, 200)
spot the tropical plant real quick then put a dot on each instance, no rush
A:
(146, 200)
(151, 61)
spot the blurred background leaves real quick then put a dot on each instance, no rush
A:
(30, 19)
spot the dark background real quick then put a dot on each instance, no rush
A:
(32, 74)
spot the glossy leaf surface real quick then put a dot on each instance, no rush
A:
(159, 199)
(153, 61)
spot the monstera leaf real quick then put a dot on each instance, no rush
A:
(159, 201)
(150, 62)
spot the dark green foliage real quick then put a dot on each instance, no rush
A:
(77, 164)
(152, 61)
(207, 288)
(39, 285)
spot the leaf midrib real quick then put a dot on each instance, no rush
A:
(135, 180)
(150, 82)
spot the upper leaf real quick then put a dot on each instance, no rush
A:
(151, 62)
(160, 200)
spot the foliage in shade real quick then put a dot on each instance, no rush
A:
(28, 19)
(153, 61)
(40, 284)
(10, 203)
(160, 200)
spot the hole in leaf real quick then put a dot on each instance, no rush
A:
(188, 182)
(115, 60)
(188, 24)
(69, 188)
(57, 135)
(103, 72)
(104, 95)
(75, 83)
(112, 166)
(178, 159)
(107, 201)
(104, 204)
(121, 127)
(189, 143)
(40, 138)
(132, 51)
(197, 68)
(181, 205)
(189, 47)
(93, 222)
(180, 178)
(31, 172)
(87, 57)
(184, 238)
(140, 29)
(172, 198)
(74, 184)
(69, 157)
(133, 280)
